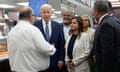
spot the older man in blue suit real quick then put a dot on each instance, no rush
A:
(53, 33)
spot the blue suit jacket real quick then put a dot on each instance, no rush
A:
(57, 38)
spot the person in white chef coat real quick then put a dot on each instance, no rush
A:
(28, 50)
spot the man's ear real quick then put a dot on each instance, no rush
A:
(30, 19)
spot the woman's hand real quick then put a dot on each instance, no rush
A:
(70, 64)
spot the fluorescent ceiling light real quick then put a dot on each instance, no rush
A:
(6, 6)
(23, 4)
(57, 12)
(53, 9)
(53, 16)
(76, 15)
(113, 0)
(116, 5)
(6, 16)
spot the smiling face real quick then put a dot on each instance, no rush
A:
(46, 13)
(67, 16)
(74, 25)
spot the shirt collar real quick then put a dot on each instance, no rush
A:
(67, 26)
(111, 14)
(101, 18)
(49, 22)
(24, 22)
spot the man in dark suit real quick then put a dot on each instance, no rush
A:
(53, 33)
(107, 40)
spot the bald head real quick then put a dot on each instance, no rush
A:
(26, 14)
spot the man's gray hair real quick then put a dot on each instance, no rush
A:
(101, 6)
(45, 5)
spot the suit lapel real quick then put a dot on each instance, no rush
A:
(99, 27)
(97, 31)
(52, 30)
(104, 19)
(41, 28)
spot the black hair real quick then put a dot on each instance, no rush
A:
(101, 6)
(25, 14)
(110, 5)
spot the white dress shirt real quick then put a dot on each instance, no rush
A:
(49, 26)
(66, 31)
(28, 51)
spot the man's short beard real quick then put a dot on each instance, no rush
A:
(66, 22)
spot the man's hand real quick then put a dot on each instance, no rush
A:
(94, 59)
(60, 64)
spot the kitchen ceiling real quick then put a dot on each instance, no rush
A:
(12, 3)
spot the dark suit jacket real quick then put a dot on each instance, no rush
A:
(57, 38)
(107, 45)
(116, 19)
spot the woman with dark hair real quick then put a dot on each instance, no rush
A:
(77, 47)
